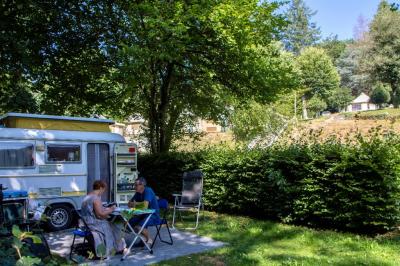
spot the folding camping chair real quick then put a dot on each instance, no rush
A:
(190, 198)
(163, 205)
(81, 230)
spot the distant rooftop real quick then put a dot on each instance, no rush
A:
(362, 98)
(56, 117)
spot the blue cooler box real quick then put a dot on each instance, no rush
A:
(15, 205)
(10, 194)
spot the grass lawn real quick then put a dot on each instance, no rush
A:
(256, 242)
(389, 112)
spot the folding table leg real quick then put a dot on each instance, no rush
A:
(137, 235)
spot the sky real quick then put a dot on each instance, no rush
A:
(340, 16)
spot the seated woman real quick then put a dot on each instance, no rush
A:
(95, 215)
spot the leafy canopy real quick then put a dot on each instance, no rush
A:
(317, 73)
(56, 56)
(380, 94)
(340, 98)
(182, 61)
(383, 55)
(300, 32)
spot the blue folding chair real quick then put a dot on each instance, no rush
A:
(81, 230)
(163, 205)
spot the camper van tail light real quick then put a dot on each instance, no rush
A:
(132, 150)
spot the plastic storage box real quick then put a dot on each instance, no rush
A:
(10, 194)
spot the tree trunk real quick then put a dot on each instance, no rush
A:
(395, 97)
(152, 117)
(159, 113)
(304, 106)
(163, 107)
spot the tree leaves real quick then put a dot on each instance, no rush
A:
(28, 261)
(186, 61)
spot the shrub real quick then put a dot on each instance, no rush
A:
(351, 186)
(380, 94)
(163, 172)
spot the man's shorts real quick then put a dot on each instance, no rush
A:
(139, 220)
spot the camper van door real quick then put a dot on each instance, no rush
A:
(98, 161)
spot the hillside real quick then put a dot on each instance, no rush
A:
(340, 125)
(348, 124)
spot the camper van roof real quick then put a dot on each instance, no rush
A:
(37, 134)
(56, 117)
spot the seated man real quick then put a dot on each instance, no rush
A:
(144, 196)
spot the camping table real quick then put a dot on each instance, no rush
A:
(148, 212)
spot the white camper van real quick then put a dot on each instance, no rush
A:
(56, 160)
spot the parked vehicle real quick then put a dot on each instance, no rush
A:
(57, 159)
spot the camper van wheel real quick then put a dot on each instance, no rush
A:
(59, 217)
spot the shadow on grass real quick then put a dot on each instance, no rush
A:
(242, 236)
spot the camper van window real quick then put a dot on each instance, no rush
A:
(15, 155)
(63, 153)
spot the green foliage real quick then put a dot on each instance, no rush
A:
(15, 95)
(350, 68)
(189, 60)
(300, 32)
(167, 62)
(316, 105)
(333, 47)
(396, 96)
(380, 94)
(56, 57)
(14, 249)
(340, 99)
(350, 186)
(163, 171)
(383, 55)
(317, 73)
(28, 261)
(255, 120)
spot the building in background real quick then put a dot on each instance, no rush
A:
(361, 103)
(133, 130)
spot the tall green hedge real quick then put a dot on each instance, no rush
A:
(351, 186)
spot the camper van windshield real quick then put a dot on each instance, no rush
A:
(63, 153)
(16, 155)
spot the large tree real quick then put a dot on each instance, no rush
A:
(301, 32)
(185, 60)
(353, 74)
(383, 60)
(318, 76)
